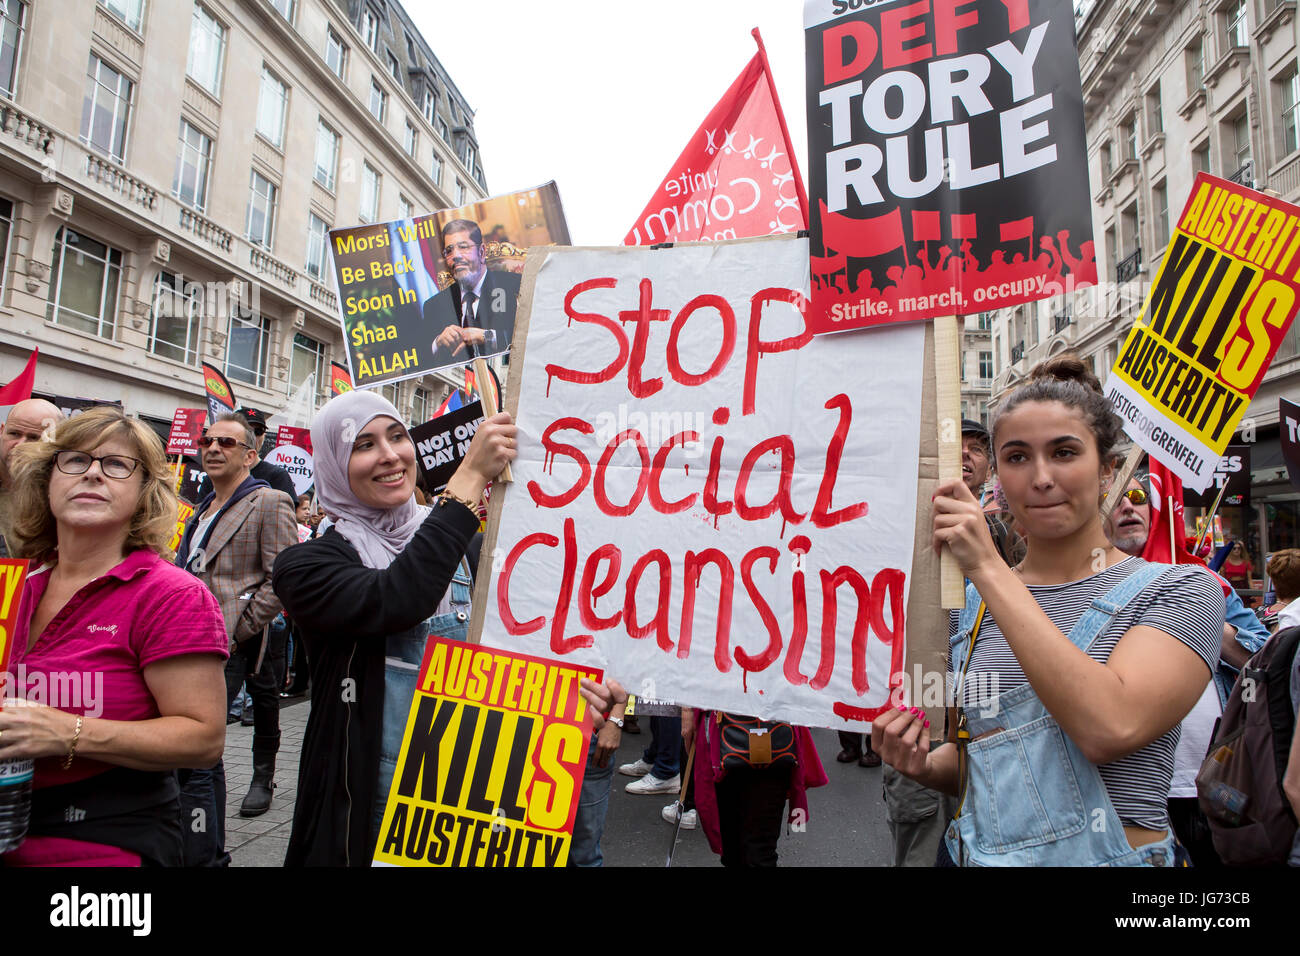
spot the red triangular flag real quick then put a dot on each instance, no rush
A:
(737, 176)
(20, 389)
(1166, 511)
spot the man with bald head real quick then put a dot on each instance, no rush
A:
(27, 422)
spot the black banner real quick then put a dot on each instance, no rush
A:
(441, 443)
(948, 170)
(1232, 470)
(1288, 417)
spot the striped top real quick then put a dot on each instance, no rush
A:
(1184, 602)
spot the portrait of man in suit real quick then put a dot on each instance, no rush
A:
(478, 299)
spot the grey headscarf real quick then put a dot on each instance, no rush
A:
(378, 534)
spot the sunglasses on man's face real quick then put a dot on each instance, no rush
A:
(222, 440)
(1136, 496)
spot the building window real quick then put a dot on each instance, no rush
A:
(193, 165)
(370, 185)
(6, 235)
(317, 245)
(404, 208)
(1107, 166)
(435, 169)
(420, 407)
(1289, 96)
(370, 29)
(390, 392)
(1160, 203)
(460, 193)
(12, 18)
(1239, 141)
(1155, 112)
(84, 279)
(1128, 229)
(207, 42)
(336, 53)
(174, 318)
(308, 357)
(247, 348)
(106, 109)
(411, 141)
(378, 100)
(272, 103)
(1129, 137)
(1234, 19)
(984, 321)
(986, 366)
(440, 125)
(1195, 65)
(327, 155)
(410, 49)
(130, 12)
(430, 105)
(394, 67)
(284, 8)
(260, 228)
(1201, 159)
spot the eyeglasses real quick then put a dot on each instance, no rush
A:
(458, 247)
(222, 440)
(79, 462)
(1136, 496)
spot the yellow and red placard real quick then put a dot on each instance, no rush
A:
(184, 511)
(491, 763)
(1219, 306)
(12, 573)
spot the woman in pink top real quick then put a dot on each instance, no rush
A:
(116, 673)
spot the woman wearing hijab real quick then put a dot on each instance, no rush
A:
(362, 594)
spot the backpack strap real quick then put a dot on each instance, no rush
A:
(1103, 609)
(958, 643)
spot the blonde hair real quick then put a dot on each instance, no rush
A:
(32, 532)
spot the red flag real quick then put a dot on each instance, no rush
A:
(737, 176)
(1166, 499)
(1017, 229)
(963, 226)
(340, 379)
(925, 224)
(221, 397)
(20, 389)
(861, 237)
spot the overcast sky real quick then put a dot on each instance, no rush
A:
(602, 95)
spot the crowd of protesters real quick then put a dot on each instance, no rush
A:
(1109, 672)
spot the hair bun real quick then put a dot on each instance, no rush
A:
(1066, 367)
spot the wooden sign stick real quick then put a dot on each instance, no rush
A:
(1120, 481)
(947, 356)
(484, 378)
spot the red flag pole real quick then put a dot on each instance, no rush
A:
(780, 116)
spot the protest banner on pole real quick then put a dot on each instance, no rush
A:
(400, 283)
(1219, 306)
(737, 176)
(1231, 478)
(938, 142)
(340, 379)
(184, 511)
(490, 767)
(1288, 416)
(738, 532)
(12, 573)
(297, 461)
(187, 427)
(292, 435)
(441, 443)
(221, 397)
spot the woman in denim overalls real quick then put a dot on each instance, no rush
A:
(1033, 795)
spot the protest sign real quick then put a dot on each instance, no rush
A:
(12, 573)
(340, 379)
(736, 177)
(737, 531)
(400, 283)
(297, 462)
(184, 512)
(491, 764)
(187, 427)
(441, 443)
(1232, 474)
(1288, 416)
(1218, 308)
(290, 435)
(938, 142)
(221, 397)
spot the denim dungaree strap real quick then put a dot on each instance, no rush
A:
(403, 654)
(1032, 798)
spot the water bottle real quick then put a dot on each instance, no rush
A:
(15, 802)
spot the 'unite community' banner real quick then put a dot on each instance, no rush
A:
(491, 764)
(1218, 309)
(709, 502)
(947, 164)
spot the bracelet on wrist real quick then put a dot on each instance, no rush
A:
(446, 496)
(72, 747)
